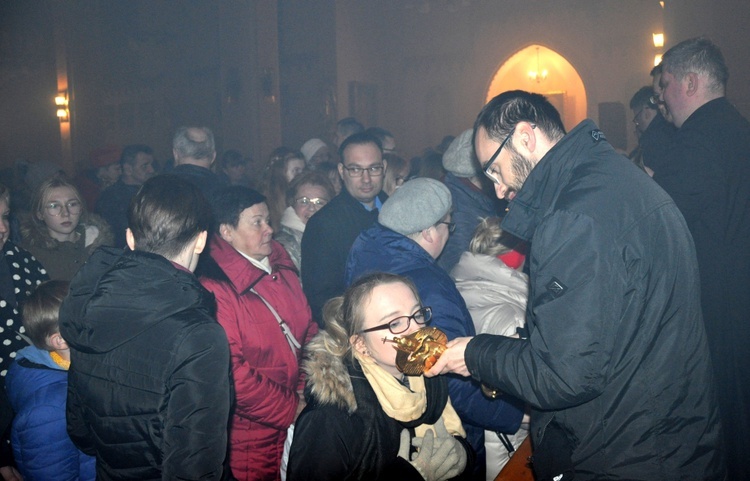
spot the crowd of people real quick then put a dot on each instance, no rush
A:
(190, 320)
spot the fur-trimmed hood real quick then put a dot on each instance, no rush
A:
(94, 229)
(328, 379)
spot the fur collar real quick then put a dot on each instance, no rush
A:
(92, 228)
(328, 380)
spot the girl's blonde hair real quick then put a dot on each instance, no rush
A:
(344, 316)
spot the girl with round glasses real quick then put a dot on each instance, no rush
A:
(364, 419)
(59, 231)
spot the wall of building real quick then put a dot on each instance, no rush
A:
(432, 61)
(264, 72)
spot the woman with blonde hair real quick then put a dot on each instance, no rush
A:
(59, 231)
(364, 417)
(283, 166)
(495, 290)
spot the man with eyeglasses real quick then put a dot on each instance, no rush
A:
(330, 233)
(709, 180)
(412, 230)
(616, 365)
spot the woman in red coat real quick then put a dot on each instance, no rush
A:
(267, 319)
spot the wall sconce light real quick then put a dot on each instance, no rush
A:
(538, 75)
(61, 104)
(658, 39)
(657, 60)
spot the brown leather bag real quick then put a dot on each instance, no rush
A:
(518, 468)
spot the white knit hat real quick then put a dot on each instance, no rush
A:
(311, 147)
(458, 159)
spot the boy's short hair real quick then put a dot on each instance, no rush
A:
(166, 214)
(41, 311)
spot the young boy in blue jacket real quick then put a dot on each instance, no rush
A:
(37, 385)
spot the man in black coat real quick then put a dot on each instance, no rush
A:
(148, 387)
(330, 233)
(616, 365)
(708, 176)
(137, 167)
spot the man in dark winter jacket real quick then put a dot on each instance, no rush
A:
(412, 230)
(708, 176)
(616, 364)
(148, 386)
(330, 233)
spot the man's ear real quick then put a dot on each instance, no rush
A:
(56, 342)
(528, 136)
(340, 166)
(129, 239)
(692, 81)
(427, 234)
(200, 243)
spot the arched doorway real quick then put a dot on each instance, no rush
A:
(542, 70)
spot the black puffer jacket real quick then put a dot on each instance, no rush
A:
(148, 389)
(617, 363)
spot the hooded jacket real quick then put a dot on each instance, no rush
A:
(266, 371)
(379, 249)
(37, 388)
(148, 386)
(63, 259)
(616, 364)
(495, 294)
(343, 434)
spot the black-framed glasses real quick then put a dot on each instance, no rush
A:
(54, 209)
(316, 202)
(488, 164)
(655, 100)
(451, 225)
(400, 324)
(373, 170)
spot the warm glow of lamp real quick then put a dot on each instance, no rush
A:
(658, 39)
(657, 60)
(61, 102)
(538, 75)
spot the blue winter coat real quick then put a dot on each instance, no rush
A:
(37, 388)
(381, 249)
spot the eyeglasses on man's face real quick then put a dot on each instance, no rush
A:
(486, 168)
(655, 100)
(316, 202)
(451, 225)
(54, 209)
(373, 170)
(400, 324)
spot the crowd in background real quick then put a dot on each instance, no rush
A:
(185, 318)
